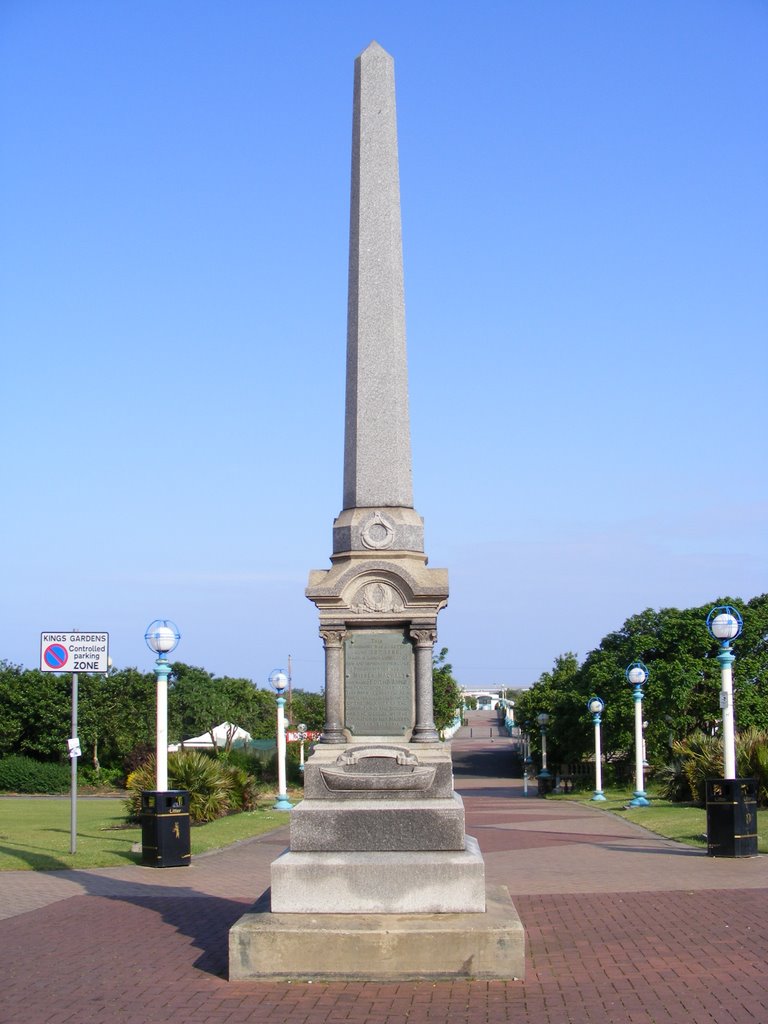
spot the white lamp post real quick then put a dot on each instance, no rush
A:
(278, 679)
(302, 730)
(162, 636)
(526, 737)
(527, 759)
(596, 707)
(543, 720)
(637, 675)
(509, 716)
(725, 624)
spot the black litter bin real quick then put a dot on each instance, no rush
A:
(732, 817)
(165, 841)
(546, 784)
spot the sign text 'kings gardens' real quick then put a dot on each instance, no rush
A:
(74, 652)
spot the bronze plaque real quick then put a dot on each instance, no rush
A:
(378, 683)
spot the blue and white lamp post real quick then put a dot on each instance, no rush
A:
(278, 680)
(162, 637)
(596, 706)
(543, 720)
(302, 731)
(725, 624)
(527, 760)
(637, 676)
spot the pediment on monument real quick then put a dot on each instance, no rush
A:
(379, 586)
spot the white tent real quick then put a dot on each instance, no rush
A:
(224, 733)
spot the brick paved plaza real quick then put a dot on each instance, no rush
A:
(621, 926)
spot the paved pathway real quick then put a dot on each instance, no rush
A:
(622, 927)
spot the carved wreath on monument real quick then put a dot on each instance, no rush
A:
(378, 533)
(377, 596)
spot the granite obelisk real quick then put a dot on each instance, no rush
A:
(379, 576)
(378, 859)
(377, 443)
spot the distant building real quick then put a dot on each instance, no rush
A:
(486, 697)
(225, 735)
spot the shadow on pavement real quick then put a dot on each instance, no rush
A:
(206, 920)
(500, 763)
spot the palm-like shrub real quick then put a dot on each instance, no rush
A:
(672, 783)
(244, 789)
(700, 757)
(752, 760)
(213, 791)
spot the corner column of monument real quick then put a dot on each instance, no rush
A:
(378, 855)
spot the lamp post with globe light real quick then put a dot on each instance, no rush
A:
(731, 801)
(725, 624)
(162, 637)
(527, 761)
(543, 720)
(637, 676)
(596, 706)
(302, 733)
(165, 837)
(545, 781)
(278, 680)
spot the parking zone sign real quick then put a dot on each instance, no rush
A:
(74, 652)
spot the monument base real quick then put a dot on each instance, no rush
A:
(379, 947)
(439, 882)
(383, 825)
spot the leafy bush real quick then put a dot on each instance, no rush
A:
(244, 788)
(752, 760)
(618, 772)
(672, 783)
(215, 788)
(700, 757)
(253, 762)
(19, 774)
(137, 757)
(105, 778)
(292, 774)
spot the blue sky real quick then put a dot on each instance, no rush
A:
(585, 230)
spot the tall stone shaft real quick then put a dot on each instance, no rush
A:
(377, 443)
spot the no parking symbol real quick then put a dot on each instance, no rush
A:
(55, 657)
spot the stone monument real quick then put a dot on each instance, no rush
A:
(380, 880)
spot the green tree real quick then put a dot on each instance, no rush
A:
(446, 692)
(116, 714)
(308, 708)
(558, 694)
(198, 702)
(35, 712)
(682, 693)
(680, 697)
(11, 707)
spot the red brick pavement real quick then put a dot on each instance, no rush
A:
(156, 950)
(676, 958)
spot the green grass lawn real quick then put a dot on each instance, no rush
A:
(35, 833)
(681, 822)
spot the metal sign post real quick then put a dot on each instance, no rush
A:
(74, 652)
(74, 753)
